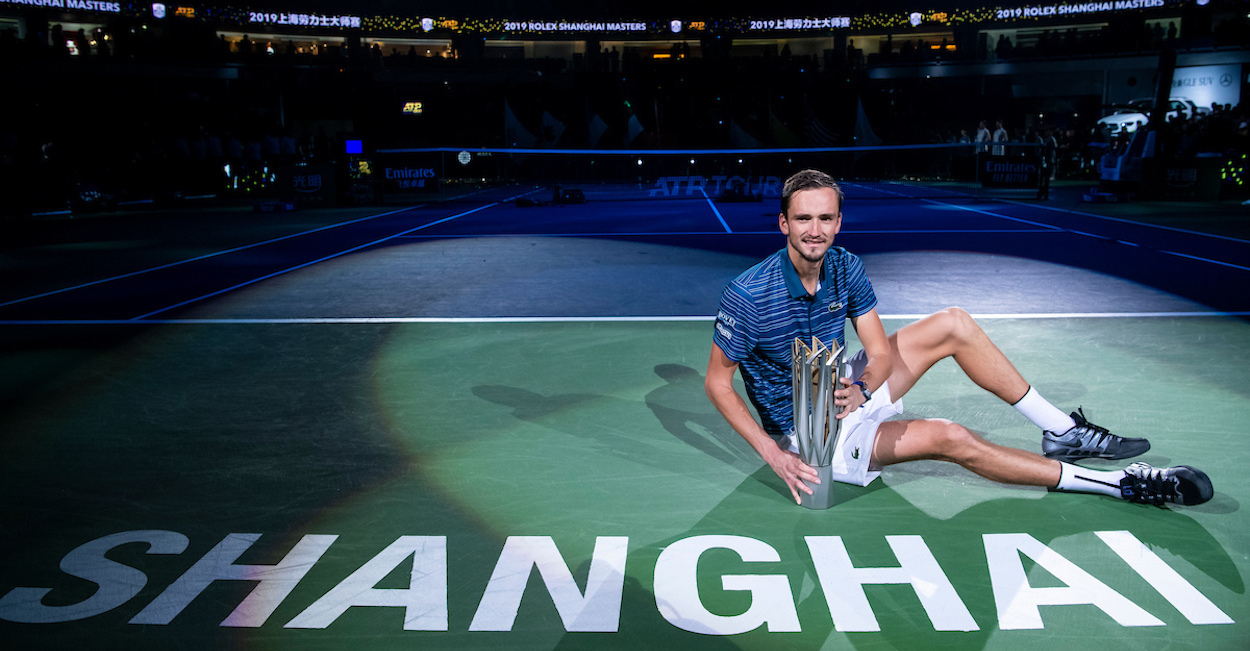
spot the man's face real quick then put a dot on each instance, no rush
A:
(813, 220)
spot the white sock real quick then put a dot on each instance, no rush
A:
(1043, 414)
(1076, 479)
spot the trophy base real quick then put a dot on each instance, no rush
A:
(822, 493)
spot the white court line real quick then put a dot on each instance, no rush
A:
(714, 210)
(1174, 253)
(1130, 222)
(994, 214)
(1108, 238)
(219, 292)
(204, 257)
(1080, 315)
(705, 233)
(1194, 257)
(385, 320)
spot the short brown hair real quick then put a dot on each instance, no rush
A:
(807, 180)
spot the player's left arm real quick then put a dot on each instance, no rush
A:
(880, 361)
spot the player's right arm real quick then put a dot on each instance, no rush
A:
(719, 384)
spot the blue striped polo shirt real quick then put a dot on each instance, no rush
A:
(765, 308)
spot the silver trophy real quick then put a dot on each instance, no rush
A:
(816, 369)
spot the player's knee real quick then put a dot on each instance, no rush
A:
(958, 324)
(952, 441)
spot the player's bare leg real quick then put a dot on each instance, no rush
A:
(942, 440)
(953, 333)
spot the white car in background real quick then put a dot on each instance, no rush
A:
(1137, 113)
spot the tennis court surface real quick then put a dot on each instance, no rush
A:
(477, 424)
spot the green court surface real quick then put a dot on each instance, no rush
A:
(568, 485)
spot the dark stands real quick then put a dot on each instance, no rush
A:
(138, 114)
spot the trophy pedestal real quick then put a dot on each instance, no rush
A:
(822, 493)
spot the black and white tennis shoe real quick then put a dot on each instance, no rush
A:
(1179, 485)
(1089, 441)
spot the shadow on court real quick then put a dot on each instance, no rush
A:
(684, 410)
(703, 430)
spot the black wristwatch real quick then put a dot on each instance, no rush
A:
(863, 388)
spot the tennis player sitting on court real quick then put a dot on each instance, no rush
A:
(809, 289)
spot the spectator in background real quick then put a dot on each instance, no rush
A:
(58, 42)
(1004, 47)
(270, 145)
(287, 144)
(1000, 135)
(983, 137)
(1048, 153)
(82, 43)
(212, 146)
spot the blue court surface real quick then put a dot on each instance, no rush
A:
(472, 424)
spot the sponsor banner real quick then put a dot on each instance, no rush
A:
(1207, 85)
(806, 23)
(1194, 179)
(302, 20)
(409, 173)
(565, 26)
(307, 184)
(1076, 8)
(306, 18)
(72, 5)
(1007, 171)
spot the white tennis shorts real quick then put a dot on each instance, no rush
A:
(852, 457)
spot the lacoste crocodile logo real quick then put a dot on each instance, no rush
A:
(855, 454)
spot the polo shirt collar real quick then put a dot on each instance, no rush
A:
(793, 282)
